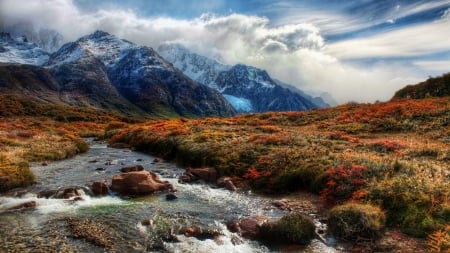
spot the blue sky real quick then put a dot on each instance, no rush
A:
(357, 50)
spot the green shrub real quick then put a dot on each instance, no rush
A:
(292, 228)
(416, 206)
(350, 221)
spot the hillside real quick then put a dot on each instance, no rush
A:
(368, 153)
(433, 87)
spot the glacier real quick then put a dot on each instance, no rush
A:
(240, 104)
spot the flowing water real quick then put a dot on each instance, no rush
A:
(45, 229)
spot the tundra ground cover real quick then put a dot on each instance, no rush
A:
(394, 155)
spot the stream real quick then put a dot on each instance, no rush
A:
(44, 228)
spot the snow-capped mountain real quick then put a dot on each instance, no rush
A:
(200, 68)
(255, 85)
(139, 74)
(20, 50)
(247, 88)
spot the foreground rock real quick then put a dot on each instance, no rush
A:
(249, 228)
(199, 233)
(66, 192)
(99, 188)
(139, 183)
(207, 175)
(296, 228)
(227, 183)
(23, 206)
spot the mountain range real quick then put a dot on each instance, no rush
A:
(248, 89)
(102, 71)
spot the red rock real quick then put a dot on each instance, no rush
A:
(23, 206)
(146, 222)
(250, 228)
(138, 183)
(227, 183)
(208, 175)
(99, 188)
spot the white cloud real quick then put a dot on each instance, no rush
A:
(408, 42)
(434, 66)
(295, 53)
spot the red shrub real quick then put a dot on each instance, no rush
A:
(342, 182)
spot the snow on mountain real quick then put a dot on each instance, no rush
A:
(20, 50)
(199, 68)
(140, 75)
(107, 48)
(241, 85)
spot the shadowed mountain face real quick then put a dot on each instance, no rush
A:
(104, 72)
(68, 85)
(103, 65)
(153, 84)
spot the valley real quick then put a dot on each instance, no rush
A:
(353, 177)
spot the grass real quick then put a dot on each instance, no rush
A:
(53, 132)
(394, 155)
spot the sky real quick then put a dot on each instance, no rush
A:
(356, 50)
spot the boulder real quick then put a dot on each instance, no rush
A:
(138, 183)
(66, 192)
(23, 206)
(132, 168)
(99, 188)
(227, 183)
(147, 222)
(199, 233)
(171, 196)
(47, 193)
(249, 228)
(208, 175)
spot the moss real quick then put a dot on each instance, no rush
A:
(292, 228)
(350, 221)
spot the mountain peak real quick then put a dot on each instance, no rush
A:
(97, 35)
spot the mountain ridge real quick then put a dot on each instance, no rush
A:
(83, 69)
(243, 98)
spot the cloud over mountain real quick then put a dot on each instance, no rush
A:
(296, 52)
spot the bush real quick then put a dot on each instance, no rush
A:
(352, 221)
(15, 175)
(343, 181)
(292, 228)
